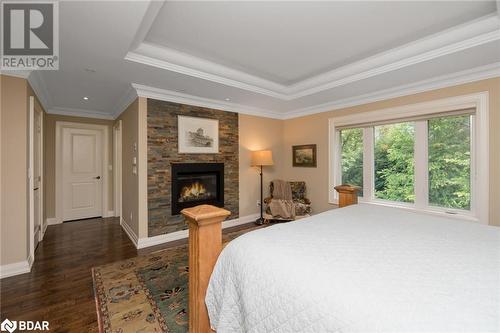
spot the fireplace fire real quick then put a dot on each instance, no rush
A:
(195, 191)
(195, 184)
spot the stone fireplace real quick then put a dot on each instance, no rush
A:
(195, 184)
(163, 153)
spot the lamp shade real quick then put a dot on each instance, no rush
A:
(262, 157)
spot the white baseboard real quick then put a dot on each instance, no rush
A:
(240, 221)
(181, 234)
(44, 229)
(160, 239)
(130, 233)
(52, 221)
(15, 268)
(30, 260)
(110, 213)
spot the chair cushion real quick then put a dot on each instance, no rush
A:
(301, 203)
(298, 190)
(302, 208)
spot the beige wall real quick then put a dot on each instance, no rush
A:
(134, 198)
(14, 170)
(15, 93)
(49, 143)
(314, 129)
(257, 133)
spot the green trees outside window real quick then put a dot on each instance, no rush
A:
(352, 157)
(449, 161)
(394, 162)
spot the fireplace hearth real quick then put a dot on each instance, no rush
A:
(194, 184)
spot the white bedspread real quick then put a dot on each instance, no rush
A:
(361, 268)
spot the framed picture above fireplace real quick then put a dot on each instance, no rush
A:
(198, 135)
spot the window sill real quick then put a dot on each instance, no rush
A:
(435, 212)
(411, 207)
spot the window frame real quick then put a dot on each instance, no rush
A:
(479, 169)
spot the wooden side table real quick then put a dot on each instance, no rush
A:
(348, 195)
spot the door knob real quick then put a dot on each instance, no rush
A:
(98, 177)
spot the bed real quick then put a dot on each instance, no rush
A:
(357, 269)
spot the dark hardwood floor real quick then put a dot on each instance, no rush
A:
(59, 287)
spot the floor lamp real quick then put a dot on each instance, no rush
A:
(259, 159)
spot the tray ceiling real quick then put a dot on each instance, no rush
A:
(275, 59)
(287, 43)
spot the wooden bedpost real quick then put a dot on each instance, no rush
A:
(348, 195)
(205, 244)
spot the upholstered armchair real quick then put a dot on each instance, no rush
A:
(301, 203)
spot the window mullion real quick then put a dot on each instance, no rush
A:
(337, 176)
(421, 164)
(368, 164)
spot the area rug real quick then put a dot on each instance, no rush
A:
(147, 293)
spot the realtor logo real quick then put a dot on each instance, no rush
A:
(30, 36)
(8, 326)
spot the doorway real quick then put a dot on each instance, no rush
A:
(36, 183)
(81, 171)
(117, 162)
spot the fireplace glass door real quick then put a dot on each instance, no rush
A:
(195, 184)
(197, 187)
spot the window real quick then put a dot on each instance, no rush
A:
(449, 162)
(352, 157)
(429, 157)
(394, 162)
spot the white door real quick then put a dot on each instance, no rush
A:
(82, 173)
(117, 149)
(37, 173)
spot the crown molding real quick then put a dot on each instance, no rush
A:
(39, 86)
(147, 21)
(182, 98)
(135, 90)
(183, 63)
(19, 74)
(462, 77)
(459, 38)
(471, 34)
(125, 100)
(80, 113)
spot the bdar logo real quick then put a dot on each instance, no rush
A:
(8, 325)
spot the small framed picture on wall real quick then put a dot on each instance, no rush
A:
(304, 156)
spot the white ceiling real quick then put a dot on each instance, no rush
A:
(277, 59)
(287, 43)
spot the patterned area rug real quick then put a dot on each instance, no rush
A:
(147, 293)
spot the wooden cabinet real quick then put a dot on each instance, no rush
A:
(348, 195)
